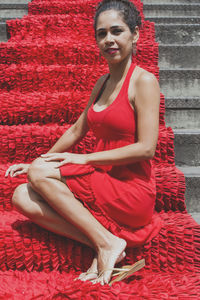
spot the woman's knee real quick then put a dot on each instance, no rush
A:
(40, 170)
(19, 196)
(23, 199)
(36, 171)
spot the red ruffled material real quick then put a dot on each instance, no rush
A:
(47, 73)
(83, 186)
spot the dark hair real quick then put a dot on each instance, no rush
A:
(126, 8)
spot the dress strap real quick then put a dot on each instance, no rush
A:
(124, 86)
(102, 88)
(128, 76)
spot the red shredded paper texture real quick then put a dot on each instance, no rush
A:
(47, 72)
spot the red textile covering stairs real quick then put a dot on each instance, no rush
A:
(46, 75)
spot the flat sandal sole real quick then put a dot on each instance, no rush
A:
(134, 268)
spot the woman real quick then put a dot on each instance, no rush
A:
(104, 199)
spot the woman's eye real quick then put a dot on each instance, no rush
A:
(117, 31)
(101, 34)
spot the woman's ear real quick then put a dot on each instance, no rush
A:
(136, 35)
(135, 39)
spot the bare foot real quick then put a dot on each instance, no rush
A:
(107, 257)
(92, 272)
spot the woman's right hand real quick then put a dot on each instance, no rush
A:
(17, 170)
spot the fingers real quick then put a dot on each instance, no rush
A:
(19, 173)
(52, 159)
(52, 156)
(47, 155)
(12, 169)
(64, 162)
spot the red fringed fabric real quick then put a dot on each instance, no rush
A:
(48, 69)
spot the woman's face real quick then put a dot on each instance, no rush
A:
(113, 37)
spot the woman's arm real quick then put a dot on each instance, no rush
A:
(79, 129)
(147, 102)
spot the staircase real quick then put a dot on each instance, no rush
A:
(38, 98)
(177, 25)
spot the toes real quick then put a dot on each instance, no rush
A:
(106, 278)
(90, 276)
(94, 281)
(102, 280)
(86, 276)
(80, 276)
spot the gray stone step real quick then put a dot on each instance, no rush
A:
(13, 12)
(192, 193)
(15, 5)
(171, 10)
(179, 56)
(14, 1)
(187, 147)
(11, 9)
(177, 33)
(196, 217)
(174, 20)
(182, 113)
(3, 32)
(179, 83)
(169, 1)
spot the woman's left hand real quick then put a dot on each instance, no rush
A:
(66, 158)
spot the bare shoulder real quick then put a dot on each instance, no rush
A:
(144, 85)
(144, 77)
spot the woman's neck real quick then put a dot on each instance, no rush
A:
(118, 71)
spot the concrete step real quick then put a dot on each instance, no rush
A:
(178, 56)
(177, 33)
(182, 113)
(171, 10)
(192, 193)
(174, 20)
(196, 217)
(187, 147)
(15, 5)
(12, 11)
(3, 32)
(170, 1)
(14, 2)
(181, 83)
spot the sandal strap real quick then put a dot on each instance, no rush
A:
(112, 269)
(135, 267)
(123, 270)
(91, 272)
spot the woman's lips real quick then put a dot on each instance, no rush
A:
(111, 50)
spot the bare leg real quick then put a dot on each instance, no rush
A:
(31, 204)
(49, 185)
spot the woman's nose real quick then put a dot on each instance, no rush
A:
(109, 38)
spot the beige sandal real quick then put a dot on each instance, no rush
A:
(125, 271)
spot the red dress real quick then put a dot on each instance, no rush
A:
(121, 198)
